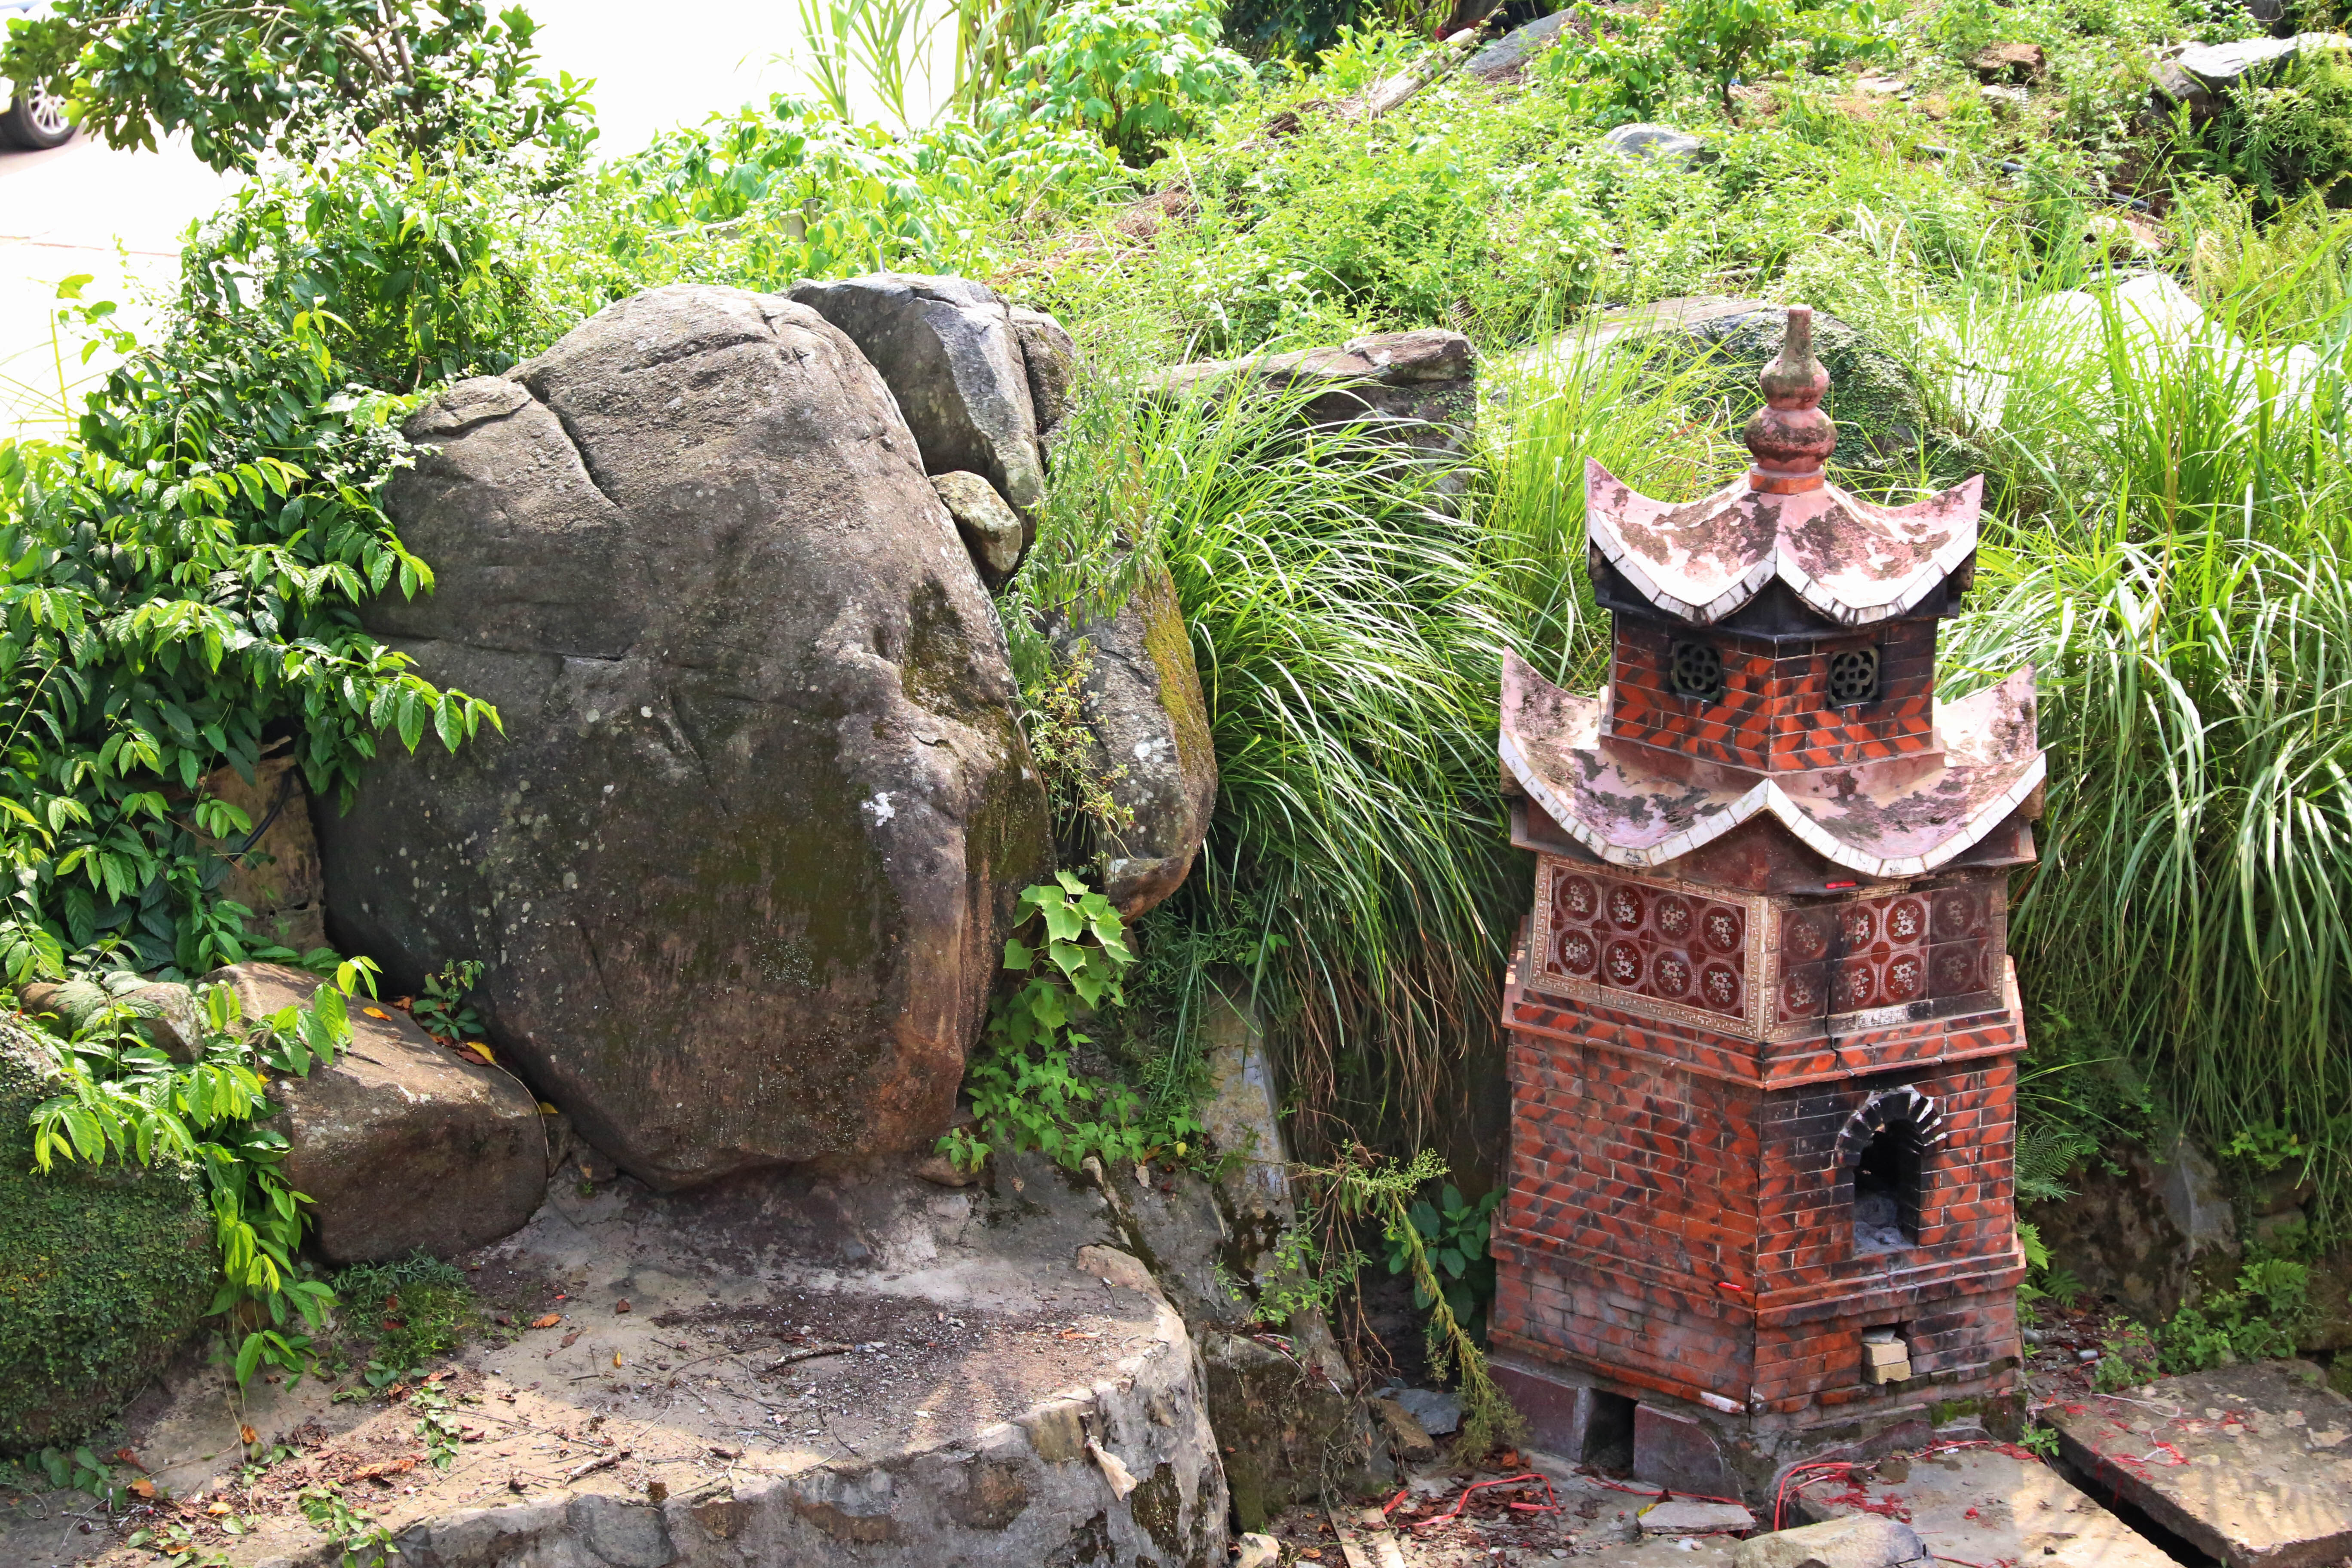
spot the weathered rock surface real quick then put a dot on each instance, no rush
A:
(103, 1271)
(986, 1393)
(949, 353)
(402, 1143)
(2252, 1464)
(1420, 387)
(1515, 49)
(992, 531)
(167, 1015)
(2220, 67)
(741, 864)
(2137, 1237)
(1143, 703)
(1049, 356)
(1288, 1421)
(1655, 141)
(2009, 62)
(273, 870)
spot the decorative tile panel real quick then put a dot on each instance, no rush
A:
(1864, 957)
(1661, 949)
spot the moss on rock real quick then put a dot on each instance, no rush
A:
(102, 1271)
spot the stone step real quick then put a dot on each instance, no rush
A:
(2250, 1464)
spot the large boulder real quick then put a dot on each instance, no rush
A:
(951, 353)
(741, 865)
(1150, 726)
(103, 1270)
(2137, 1226)
(457, 1141)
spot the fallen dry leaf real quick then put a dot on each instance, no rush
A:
(621, 1306)
(482, 1051)
(125, 1457)
(549, 1322)
(569, 1338)
(248, 1434)
(377, 1013)
(142, 1487)
(616, 1358)
(217, 1508)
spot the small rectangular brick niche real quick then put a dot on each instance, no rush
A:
(1763, 1026)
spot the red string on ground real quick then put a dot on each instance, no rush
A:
(1549, 1505)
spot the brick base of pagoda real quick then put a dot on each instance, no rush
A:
(1677, 1232)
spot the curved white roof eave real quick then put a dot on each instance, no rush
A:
(1600, 527)
(1768, 795)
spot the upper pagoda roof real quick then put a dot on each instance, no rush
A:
(1852, 562)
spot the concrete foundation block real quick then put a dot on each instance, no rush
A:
(1681, 1454)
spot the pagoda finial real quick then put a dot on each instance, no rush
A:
(1790, 439)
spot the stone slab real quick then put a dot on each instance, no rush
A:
(1986, 1505)
(1685, 1516)
(988, 1382)
(2251, 1464)
(1680, 1453)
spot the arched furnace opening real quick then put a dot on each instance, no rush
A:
(1883, 1155)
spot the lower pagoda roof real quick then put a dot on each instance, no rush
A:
(1881, 821)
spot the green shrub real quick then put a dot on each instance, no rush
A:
(104, 1270)
(2280, 137)
(1135, 72)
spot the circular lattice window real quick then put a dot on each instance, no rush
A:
(1698, 671)
(1853, 675)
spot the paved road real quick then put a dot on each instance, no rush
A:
(83, 208)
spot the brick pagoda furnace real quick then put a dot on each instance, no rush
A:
(1763, 1028)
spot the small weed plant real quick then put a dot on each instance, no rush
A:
(1451, 1234)
(1025, 1092)
(2260, 1318)
(440, 1010)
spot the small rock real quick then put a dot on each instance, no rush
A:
(168, 1019)
(1862, 1541)
(942, 1172)
(2009, 62)
(2007, 96)
(1411, 1440)
(1149, 721)
(1437, 1411)
(2218, 66)
(1256, 1552)
(991, 531)
(1644, 141)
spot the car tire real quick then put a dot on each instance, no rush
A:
(36, 120)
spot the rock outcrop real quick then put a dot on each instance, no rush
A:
(400, 1142)
(949, 350)
(103, 1270)
(1143, 703)
(742, 863)
(1419, 387)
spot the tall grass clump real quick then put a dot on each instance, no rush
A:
(1349, 601)
(2168, 552)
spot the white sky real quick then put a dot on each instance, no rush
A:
(64, 211)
